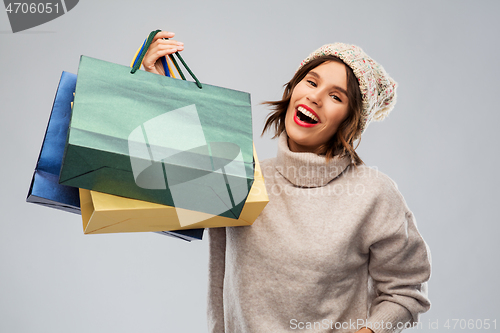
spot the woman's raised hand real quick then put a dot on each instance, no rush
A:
(159, 48)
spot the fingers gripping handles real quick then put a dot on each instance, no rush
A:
(145, 48)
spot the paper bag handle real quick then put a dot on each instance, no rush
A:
(166, 66)
(138, 62)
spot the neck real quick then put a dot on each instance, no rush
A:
(307, 169)
(296, 148)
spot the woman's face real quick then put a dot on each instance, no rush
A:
(318, 106)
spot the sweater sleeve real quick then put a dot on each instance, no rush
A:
(216, 271)
(400, 266)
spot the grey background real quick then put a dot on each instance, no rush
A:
(439, 145)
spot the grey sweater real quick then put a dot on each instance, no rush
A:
(336, 249)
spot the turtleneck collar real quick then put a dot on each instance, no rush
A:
(307, 169)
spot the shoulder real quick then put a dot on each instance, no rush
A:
(373, 181)
(268, 168)
(380, 202)
(267, 162)
(379, 194)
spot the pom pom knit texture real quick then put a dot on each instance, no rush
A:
(378, 89)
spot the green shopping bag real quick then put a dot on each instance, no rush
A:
(154, 138)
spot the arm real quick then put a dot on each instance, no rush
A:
(160, 47)
(400, 268)
(216, 270)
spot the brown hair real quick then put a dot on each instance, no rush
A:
(342, 142)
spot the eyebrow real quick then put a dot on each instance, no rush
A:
(316, 75)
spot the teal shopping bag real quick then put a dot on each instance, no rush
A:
(154, 138)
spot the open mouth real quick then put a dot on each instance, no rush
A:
(306, 116)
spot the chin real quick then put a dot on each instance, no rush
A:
(301, 141)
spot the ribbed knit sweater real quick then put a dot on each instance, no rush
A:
(336, 249)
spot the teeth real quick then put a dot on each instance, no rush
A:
(307, 113)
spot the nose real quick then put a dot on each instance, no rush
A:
(314, 97)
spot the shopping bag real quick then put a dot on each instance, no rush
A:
(45, 189)
(105, 213)
(158, 139)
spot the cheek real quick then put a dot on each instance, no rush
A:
(341, 112)
(337, 116)
(298, 92)
(288, 117)
(340, 117)
(290, 110)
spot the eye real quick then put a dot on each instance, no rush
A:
(335, 97)
(312, 83)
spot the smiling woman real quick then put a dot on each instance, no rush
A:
(336, 249)
(336, 245)
(324, 90)
(339, 86)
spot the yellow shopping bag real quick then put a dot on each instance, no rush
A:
(105, 213)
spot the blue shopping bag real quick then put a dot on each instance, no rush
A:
(45, 189)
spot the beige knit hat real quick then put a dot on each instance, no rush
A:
(377, 87)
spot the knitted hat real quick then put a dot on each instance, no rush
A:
(377, 88)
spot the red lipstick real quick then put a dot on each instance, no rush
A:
(303, 123)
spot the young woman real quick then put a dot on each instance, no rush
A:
(336, 249)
